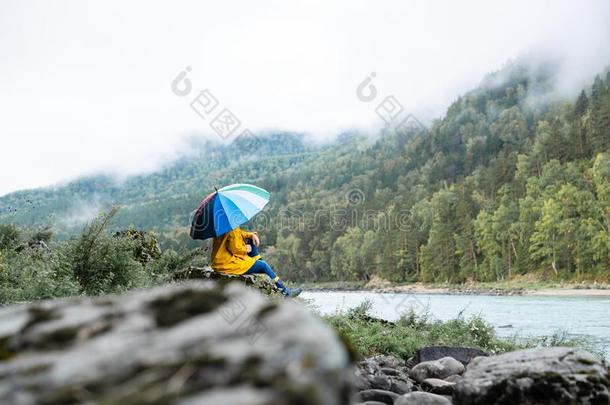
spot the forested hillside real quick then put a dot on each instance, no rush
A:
(511, 181)
(505, 184)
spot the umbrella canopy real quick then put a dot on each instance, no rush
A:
(226, 209)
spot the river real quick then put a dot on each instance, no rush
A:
(521, 316)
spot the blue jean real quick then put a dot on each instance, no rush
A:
(262, 267)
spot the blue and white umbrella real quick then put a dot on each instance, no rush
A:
(226, 209)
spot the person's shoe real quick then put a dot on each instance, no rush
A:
(293, 292)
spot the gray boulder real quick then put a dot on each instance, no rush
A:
(558, 375)
(258, 281)
(401, 385)
(438, 386)
(383, 372)
(462, 354)
(196, 342)
(386, 361)
(386, 397)
(422, 398)
(440, 368)
(369, 376)
(453, 378)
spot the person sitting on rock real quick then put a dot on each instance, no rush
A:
(236, 253)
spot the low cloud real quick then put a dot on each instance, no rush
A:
(79, 213)
(92, 92)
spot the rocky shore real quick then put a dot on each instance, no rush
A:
(220, 342)
(557, 375)
(467, 289)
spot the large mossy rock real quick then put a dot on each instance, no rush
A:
(196, 342)
(259, 281)
(558, 375)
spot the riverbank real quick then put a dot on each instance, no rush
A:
(417, 360)
(508, 288)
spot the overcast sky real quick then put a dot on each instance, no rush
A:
(85, 86)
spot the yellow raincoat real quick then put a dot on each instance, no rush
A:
(229, 255)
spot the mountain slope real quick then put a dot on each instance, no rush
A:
(509, 182)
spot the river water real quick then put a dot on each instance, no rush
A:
(521, 316)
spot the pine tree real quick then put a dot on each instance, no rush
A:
(597, 90)
(582, 103)
(600, 136)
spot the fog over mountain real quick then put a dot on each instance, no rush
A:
(87, 87)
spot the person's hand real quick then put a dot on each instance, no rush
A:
(255, 239)
(248, 248)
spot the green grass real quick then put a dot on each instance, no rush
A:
(561, 338)
(367, 336)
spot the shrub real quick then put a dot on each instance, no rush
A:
(368, 336)
(41, 235)
(32, 274)
(10, 236)
(162, 269)
(102, 263)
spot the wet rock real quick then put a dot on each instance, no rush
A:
(368, 376)
(558, 375)
(196, 342)
(441, 368)
(422, 398)
(389, 371)
(381, 382)
(383, 396)
(376, 373)
(462, 354)
(453, 378)
(385, 361)
(401, 385)
(258, 281)
(438, 386)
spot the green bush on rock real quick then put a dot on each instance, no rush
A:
(102, 263)
(9, 236)
(368, 336)
(33, 274)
